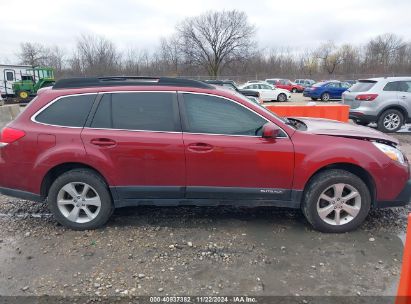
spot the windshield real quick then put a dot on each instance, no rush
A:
(362, 86)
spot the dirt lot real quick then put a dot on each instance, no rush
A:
(198, 251)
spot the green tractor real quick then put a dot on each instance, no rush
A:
(32, 81)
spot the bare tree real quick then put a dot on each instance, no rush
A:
(383, 51)
(96, 56)
(33, 54)
(308, 63)
(330, 56)
(170, 53)
(216, 39)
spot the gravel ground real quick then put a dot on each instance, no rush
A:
(198, 251)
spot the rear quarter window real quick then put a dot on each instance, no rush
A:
(362, 86)
(70, 111)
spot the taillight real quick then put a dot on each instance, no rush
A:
(366, 97)
(10, 135)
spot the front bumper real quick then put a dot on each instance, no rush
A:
(403, 199)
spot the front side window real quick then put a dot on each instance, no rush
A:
(215, 115)
(148, 111)
(70, 111)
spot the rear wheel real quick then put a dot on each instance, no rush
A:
(80, 200)
(294, 90)
(336, 201)
(325, 96)
(390, 121)
(282, 97)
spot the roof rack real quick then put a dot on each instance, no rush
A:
(85, 82)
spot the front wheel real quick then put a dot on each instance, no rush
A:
(80, 200)
(390, 121)
(294, 90)
(336, 201)
(23, 94)
(282, 97)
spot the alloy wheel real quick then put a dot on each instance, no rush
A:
(391, 121)
(78, 202)
(339, 204)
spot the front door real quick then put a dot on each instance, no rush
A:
(226, 156)
(9, 79)
(137, 138)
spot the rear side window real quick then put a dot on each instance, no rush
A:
(214, 115)
(70, 111)
(148, 111)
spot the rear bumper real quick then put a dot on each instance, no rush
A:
(401, 200)
(362, 117)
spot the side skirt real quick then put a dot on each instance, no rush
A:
(130, 196)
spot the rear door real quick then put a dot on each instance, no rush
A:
(227, 158)
(136, 137)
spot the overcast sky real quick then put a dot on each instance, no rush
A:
(141, 24)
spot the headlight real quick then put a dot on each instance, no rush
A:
(391, 152)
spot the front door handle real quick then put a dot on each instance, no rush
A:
(103, 142)
(200, 147)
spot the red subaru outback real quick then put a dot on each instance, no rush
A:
(89, 145)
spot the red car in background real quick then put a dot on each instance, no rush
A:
(286, 84)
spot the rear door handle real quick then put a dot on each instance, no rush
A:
(200, 147)
(103, 142)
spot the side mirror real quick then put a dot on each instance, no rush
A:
(270, 130)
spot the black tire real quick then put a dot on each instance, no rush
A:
(383, 128)
(325, 96)
(362, 123)
(97, 183)
(294, 90)
(315, 99)
(282, 97)
(320, 183)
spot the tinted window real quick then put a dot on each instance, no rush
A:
(9, 76)
(70, 111)
(362, 86)
(209, 114)
(393, 86)
(136, 111)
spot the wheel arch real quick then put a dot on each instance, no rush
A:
(352, 168)
(59, 169)
(395, 107)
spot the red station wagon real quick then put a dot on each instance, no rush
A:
(89, 145)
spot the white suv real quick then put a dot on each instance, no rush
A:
(386, 101)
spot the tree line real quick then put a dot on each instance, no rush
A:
(222, 45)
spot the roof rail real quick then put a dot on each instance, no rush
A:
(110, 81)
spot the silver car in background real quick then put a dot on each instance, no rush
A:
(385, 101)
